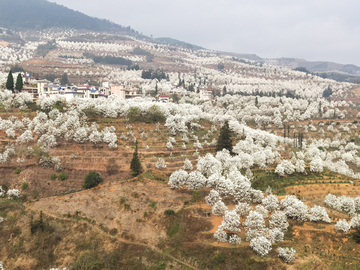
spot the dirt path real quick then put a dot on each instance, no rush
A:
(96, 228)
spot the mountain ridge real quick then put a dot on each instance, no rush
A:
(42, 14)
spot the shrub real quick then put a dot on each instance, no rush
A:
(154, 115)
(145, 214)
(113, 231)
(122, 199)
(134, 115)
(17, 171)
(88, 260)
(92, 179)
(24, 186)
(169, 212)
(152, 204)
(356, 235)
(195, 196)
(63, 176)
(53, 176)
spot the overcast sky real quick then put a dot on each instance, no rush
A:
(315, 30)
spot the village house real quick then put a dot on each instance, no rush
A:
(120, 91)
(205, 93)
(41, 86)
(164, 98)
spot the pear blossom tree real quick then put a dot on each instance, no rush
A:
(342, 225)
(261, 245)
(287, 254)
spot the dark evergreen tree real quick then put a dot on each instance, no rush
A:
(10, 82)
(19, 82)
(64, 79)
(156, 90)
(135, 165)
(327, 93)
(224, 91)
(256, 101)
(224, 140)
(191, 87)
(41, 222)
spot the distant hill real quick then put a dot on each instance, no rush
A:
(41, 14)
(175, 42)
(330, 70)
(252, 57)
(315, 66)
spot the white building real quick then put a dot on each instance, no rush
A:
(205, 94)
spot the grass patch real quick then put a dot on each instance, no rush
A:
(278, 184)
(153, 205)
(155, 176)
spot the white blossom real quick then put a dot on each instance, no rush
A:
(261, 245)
(342, 225)
(160, 164)
(13, 193)
(287, 254)
(219, 208)
(318, 213)
(187, 165)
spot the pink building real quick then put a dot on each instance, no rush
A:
(118, 90)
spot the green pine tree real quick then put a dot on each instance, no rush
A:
(224, 91)
(10, 82)
(64, 79)
(19, 82)
(256, 101)
(135, 165)
(224, 140)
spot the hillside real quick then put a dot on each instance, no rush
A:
(153, 222)
(42, 14)
(289, 176)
